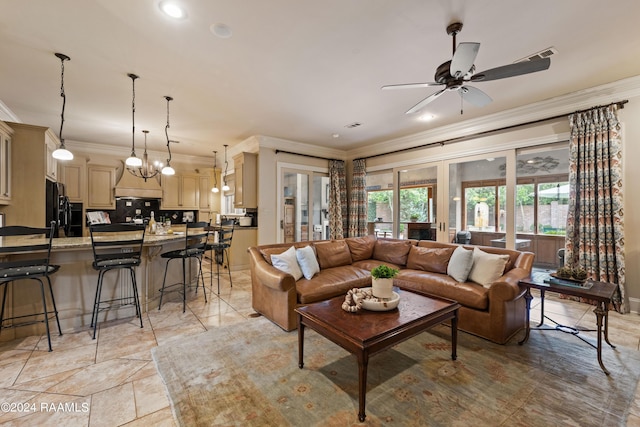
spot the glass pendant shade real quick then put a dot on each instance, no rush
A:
(61, 153)
(168, 170)
(133, 161)
(215, 190)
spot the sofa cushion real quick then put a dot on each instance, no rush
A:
(331, 282)
(487, 268)
(370, 264)
(333, 254)
(435, 260)
(287, 262)
(468, 294)
(267, 252)
(460, 264)
(395, 252)
(361, 247)
(308, 262)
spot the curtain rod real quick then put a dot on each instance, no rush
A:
(442, 143)
(305, 155)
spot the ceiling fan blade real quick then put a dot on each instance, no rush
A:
(420, 105)
(474, 96)
(512, 70)
(410, 85)
(463, 58)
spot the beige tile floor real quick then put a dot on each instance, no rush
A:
(112, 381)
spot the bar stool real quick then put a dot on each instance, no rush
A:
(195, 244)
(17, 243)
(220, 249)
(116, 247)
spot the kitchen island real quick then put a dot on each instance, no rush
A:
(74, 285)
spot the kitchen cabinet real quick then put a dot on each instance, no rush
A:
(101, 181)
(28, 174)
(5, 164)
(205, 193)
(245, 167)
(180, 192)
(51, 163)
(73, 176)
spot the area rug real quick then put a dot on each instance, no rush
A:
(247, 374)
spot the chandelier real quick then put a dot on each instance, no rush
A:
(215, 178)
(168, 170)
(145, 170)
(61, 153)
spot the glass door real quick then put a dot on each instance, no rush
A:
(304, 206)
(418, 203)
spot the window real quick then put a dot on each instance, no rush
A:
(380, 203)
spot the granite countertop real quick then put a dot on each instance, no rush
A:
(85, 242)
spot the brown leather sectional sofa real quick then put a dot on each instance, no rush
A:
(495, 312)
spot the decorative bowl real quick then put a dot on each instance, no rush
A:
(376, 304)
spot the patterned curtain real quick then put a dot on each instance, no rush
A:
(337, 199)
(595, 226)
(358, 201)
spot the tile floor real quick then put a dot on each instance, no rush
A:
(112, 381)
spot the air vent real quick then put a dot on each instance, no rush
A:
(353, 125)
(540, 55)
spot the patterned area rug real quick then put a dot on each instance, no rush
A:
(247, 374)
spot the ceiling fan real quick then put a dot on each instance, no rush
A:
(459, 70)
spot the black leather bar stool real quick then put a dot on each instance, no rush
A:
(116, 247)
(220, 249)
(195, 244)
(24, 254)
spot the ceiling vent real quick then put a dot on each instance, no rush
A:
(353, 125)
(540, 55)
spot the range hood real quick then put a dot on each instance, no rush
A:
(132, 186)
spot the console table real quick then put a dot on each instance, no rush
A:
(600, 292)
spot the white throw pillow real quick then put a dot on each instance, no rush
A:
(287, 262)
(460, 264)
(487, 268)
(307, 261)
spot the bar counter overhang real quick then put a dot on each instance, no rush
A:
(75, 283)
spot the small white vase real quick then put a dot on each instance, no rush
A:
(382, 288)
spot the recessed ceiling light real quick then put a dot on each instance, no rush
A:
(221, 30)
(336, 135)
(173, 10)
(426, 117)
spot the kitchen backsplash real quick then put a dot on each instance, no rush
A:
(128, 209)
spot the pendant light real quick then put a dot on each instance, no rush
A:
(61, 153)
(225, 187)
(168, 170)
(215, 178)
(144, 171)
(133, 160)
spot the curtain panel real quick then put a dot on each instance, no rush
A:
(337, 199)
(595, 221)
(358, 200)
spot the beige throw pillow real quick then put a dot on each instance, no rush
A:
(487, 268)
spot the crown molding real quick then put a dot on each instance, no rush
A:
(300, 147)
(564, 104)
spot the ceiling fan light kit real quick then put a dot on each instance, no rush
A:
(454, 74)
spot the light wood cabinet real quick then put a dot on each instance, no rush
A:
(28, 175)
(245, 167)
(5, 164)
(181, 192)
(205, 193)
(51, 169)
(73, 176)
(101, 181)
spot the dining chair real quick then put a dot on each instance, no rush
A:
(195, 244)
(25, 254)
(116, 247)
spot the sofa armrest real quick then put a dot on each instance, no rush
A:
(268, 275)
(506, 288)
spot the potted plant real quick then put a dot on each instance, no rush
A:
(382, 281)
(413, 217)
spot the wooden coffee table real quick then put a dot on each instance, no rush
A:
(366, 333)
